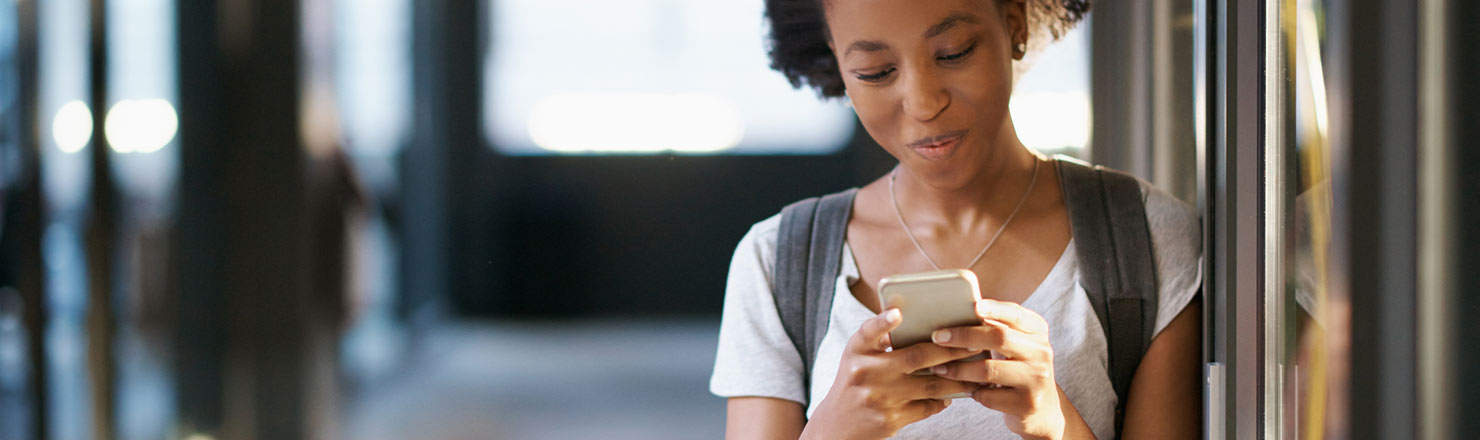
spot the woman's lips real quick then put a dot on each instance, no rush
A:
(938, 147)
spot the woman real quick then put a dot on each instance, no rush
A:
(930, 80)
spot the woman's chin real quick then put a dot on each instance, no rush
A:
(944, 176)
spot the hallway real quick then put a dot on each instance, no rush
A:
(537, 380)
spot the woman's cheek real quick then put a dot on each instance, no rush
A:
(874, 112)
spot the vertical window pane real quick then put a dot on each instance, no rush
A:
(66, 128)
(141, 125)
(372, 73)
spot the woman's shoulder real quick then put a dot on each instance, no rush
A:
(1176, 244)
(1171, 219)
(762, 234)
(755, 255)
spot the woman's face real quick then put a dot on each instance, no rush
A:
(930, 79)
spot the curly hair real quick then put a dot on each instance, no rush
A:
(798, 40)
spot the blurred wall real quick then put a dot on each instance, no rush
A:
(626, 235)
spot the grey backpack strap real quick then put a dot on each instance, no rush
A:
(1117, 270)
(809, 255)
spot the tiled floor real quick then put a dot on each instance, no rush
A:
(551, 380)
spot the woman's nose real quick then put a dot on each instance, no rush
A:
(924, 96)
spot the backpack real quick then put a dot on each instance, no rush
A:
(1117, 270)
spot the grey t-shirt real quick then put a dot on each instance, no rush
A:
(755, 357)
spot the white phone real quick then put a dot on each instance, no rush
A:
(928, 302)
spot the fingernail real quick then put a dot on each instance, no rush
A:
(939, 370)
(941, 336)
(982, 308)
(892, 316)
(947, 401)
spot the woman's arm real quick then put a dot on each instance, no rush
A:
(1166, 394)
(763, 418)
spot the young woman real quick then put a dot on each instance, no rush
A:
(930, 80)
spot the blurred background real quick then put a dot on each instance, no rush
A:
(387, 219)
(452, 219)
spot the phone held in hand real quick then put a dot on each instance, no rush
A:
(928, 302)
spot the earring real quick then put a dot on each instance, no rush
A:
(1021, 48)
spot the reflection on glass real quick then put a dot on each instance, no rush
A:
(1318, 357)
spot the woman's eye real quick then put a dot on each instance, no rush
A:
(958, 55)
(875, 77)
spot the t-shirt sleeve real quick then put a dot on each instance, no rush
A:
(755, 357)
(1176, 243)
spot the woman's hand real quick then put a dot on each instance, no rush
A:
(1022, 385)
(874, 394)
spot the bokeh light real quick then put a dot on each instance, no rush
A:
(72, 127)
(141, 125)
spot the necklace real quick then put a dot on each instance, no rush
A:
(900, 214)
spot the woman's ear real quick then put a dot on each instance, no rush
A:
(1015, 16)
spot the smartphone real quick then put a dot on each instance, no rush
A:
(928, 302)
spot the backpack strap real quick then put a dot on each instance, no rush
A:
(809, 255)
(1118, 273)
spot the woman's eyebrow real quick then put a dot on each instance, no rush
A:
(935, 30)
(949, 22)
(865, 46)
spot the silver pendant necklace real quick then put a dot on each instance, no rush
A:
(900, 214)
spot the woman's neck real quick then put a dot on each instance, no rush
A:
(988, 198)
